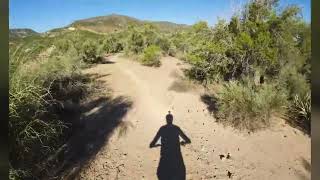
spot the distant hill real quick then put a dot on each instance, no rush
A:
(115, 22)
(100, 24)
(21, 33)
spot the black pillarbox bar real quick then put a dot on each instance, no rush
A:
(4, 164)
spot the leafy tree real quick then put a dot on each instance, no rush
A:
(234, 25)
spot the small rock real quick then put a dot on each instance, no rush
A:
(285, 136)
(221, 156)
(229, 174)
(228, 156)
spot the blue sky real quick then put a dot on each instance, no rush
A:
(43, 15)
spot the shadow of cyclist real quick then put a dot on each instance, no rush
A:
(171, 165)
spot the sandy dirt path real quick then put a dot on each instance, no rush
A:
(278, 153)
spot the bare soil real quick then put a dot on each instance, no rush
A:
(280, 152)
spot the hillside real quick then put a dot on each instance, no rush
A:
(115, 22)
(21, 33)
(100, 24)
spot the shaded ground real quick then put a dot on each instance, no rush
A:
(121, 150)
(103, 115)
(94, 121)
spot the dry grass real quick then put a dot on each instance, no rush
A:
(246, 107)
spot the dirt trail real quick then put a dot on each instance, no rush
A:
(279, 153)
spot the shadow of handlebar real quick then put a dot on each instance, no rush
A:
(158, 145)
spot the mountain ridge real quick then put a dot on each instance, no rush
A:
(102, 24)
(115, 22)
(21, 32)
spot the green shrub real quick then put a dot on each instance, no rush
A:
(149, 33)
(89, 52)
(172, 51)
(63, 45)
(245, 106)
(295, 82)
(163, 43)
(203, 72)
(111, 44)
(209, 63)
(135, 43)
(180, 41)
(299, 112)
(151, 56)
(35, 129)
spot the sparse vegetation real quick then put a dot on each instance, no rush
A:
(246, 106)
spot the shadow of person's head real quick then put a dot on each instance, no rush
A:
(169, 118)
